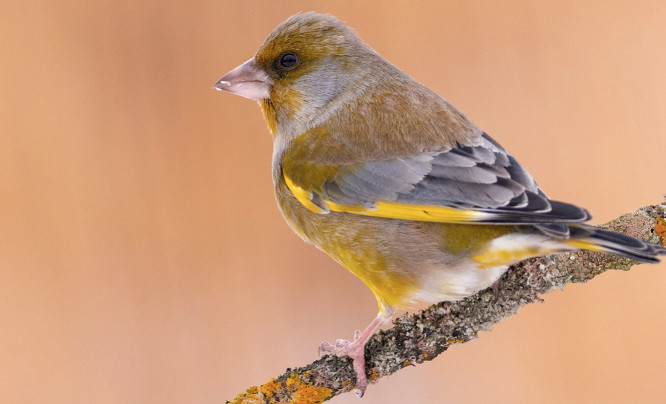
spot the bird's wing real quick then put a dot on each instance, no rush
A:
(464, 184)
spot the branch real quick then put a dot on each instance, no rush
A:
(424, 335)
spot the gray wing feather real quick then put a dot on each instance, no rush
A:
(484, 177)
(378, 180)
(466, 195)
(482, 174)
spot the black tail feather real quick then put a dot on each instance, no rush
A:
(617, 243)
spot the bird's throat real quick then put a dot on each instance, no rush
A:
(269, 115)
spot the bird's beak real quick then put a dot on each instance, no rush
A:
(247, 80)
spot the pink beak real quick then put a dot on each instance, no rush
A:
(247, 80)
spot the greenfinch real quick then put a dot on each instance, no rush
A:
(394, 182)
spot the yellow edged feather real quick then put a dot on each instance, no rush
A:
(391, 210)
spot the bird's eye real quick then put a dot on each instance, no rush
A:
(288, 60)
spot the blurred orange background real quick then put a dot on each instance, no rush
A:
(143, 258)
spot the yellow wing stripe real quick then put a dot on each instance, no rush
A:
(302, 195)
(422, 213)
(584, 245)
(497, 257)
(392, 210)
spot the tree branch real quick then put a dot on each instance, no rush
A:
(424, 335)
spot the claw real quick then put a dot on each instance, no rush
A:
(359, 392)
(356, 350)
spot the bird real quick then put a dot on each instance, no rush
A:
(394, 182)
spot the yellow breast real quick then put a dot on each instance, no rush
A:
(352, 241)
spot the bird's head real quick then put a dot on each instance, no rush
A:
(305, 63)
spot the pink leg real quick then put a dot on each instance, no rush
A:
(356, 349)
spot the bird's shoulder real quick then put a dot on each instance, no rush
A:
(387, 121)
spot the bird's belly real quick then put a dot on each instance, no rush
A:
(400, 261)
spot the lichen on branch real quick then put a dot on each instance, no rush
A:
(424, 335)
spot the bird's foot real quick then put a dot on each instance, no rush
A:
(356, 351)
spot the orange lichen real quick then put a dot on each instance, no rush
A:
(293, 391)
(269, 389)
(293, 379)
(455, 341)
(251, 396)
(660, 229)
(373, 375)
(406, 363)
(425, 355)
(306, 393)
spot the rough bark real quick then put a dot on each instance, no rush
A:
(424, 335)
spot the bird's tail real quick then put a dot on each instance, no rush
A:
(595, 239)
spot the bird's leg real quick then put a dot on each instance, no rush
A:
(356, 349)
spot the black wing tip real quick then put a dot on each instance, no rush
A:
(569, 212)
(648, 257)
(620, 244)
(559, 212)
